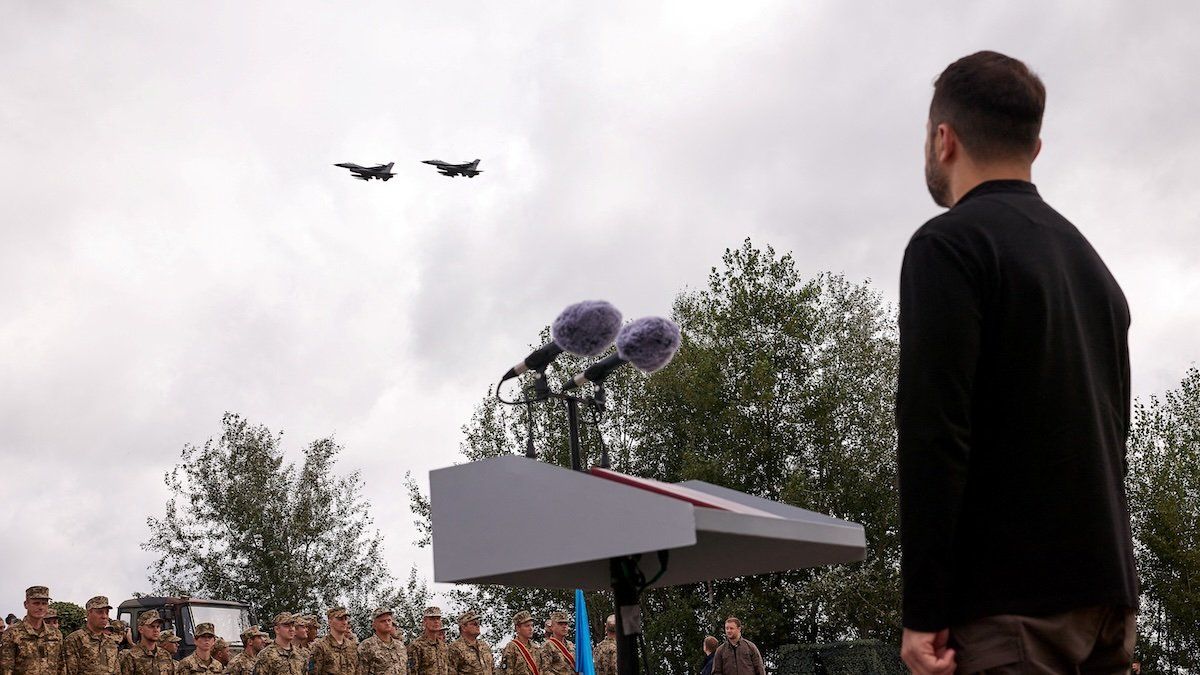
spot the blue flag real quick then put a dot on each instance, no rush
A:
(583, 637)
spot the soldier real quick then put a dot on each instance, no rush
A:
(380, 654)
(52, 620)
(118, 630)
(279, 658)
(252, 643)
(427, 655)
(31, 646)
(89, 651)
(306, 633)
(520, 656)
(558, 653)
(145, 658)
(337, 652)
(604, 654)
(468, 654)
(169, 641)
(221, 652)
(201, 661)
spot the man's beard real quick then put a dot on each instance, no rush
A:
(936, 180)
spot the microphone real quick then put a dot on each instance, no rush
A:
(584, 329)
(596, 372)
(648, 343)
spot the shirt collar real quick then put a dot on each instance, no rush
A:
(1005, 185)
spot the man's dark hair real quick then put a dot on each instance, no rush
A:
(993, 102)
(735, 620)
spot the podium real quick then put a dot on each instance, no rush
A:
(606, 524)
(711, 532)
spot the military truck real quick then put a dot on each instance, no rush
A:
(182, 614)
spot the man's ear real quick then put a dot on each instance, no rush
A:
(1037, 149)
(946, 143)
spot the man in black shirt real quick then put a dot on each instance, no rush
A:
(1012, 406)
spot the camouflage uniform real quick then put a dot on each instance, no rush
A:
(191, 665)
(275, 660)
(471, 659)
(513, 663)
(88, 653)
(304, 648)
(242, 664)
(138, 661)
(330, 657)
(429, 656)
(604, 656)
(376, 657)
(25, 651)
(553, 661)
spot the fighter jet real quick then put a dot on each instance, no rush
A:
(380, 171)
(447, 169)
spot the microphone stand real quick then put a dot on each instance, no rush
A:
(627, 580)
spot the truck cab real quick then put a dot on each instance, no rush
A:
(182, 614)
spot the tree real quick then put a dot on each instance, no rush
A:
(783, 388)
(407, 604)
(71, 616)
(243, 524)
(1164, 500)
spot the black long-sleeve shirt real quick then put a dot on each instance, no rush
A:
(1012, 410)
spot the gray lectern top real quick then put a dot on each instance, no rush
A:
(489, 527)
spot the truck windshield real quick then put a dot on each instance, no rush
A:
(229, 622)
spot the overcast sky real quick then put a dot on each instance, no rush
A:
(177, 244)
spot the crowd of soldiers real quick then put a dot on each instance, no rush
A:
(35, 646)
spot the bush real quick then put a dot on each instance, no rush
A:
(856, 657)
(71, 616)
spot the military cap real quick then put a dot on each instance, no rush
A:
(169, 636)
(522, 617)
(335, 612)
(144, 618)
(559, 617)
(284, 618)
(98, 602)
(467, 617)
(219, 645)
(380, 611)
(310, 620)
(611, 621)
(51, 613)
(203, 629)
(431, 612)
(37, 593)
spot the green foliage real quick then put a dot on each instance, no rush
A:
(243, 524)
(783, 388)
(407, 605)
(1164, 500)
(854, 657)
(71, 616)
